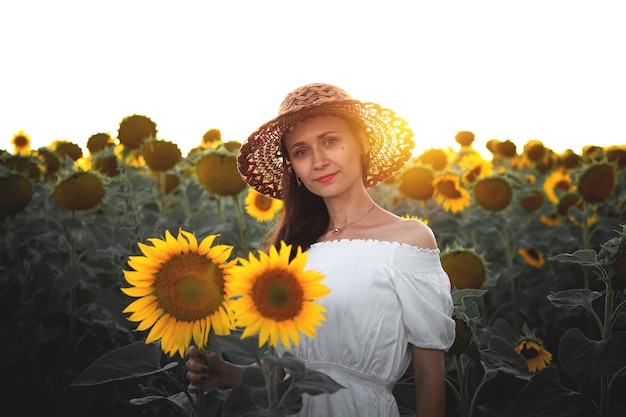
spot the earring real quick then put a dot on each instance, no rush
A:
(299, 181)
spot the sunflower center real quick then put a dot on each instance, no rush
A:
(277, 295)
(189, 287)
(563, 185)
(529, 352)
(262, 202)
(448, 188)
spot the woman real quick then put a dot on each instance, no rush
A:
(390, 304)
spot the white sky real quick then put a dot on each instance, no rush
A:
(519, 70)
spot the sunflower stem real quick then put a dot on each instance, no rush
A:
(606, 333)
(242, 224)
(463, 403)
(272, 380)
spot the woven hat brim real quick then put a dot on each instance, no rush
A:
(260, 161)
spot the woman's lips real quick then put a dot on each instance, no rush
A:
(325, 178)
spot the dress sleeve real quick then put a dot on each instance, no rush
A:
(423, 288)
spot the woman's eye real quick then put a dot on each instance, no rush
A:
(330, 141)
(300, 152)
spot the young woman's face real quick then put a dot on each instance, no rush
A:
(325, 154)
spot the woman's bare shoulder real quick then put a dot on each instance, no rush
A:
(411, 232)
(404, 230)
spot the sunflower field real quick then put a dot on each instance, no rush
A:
(115, 261)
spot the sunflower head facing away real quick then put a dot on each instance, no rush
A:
(180, 289)
(275, 297)
(532, 349)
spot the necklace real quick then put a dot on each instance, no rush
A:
(337, 230)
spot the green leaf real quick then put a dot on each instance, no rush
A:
(131, 361)
(545, 396)
(287, 361)
(587, 360)
(573, 298)
(587, 257)
(458, 295)
(314, 383)
(502, 357)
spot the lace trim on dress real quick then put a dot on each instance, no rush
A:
(378, 242)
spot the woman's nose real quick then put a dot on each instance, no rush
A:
(319, 160)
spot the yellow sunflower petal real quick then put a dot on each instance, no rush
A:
(137, 291)
(206, 243)
(150, 320)
(193, 242)
(138, 278)
(140, 304)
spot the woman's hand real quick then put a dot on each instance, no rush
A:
(209, 369)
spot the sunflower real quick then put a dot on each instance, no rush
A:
(135, 129)
(160, 155)
(597, 182)
(583, 219)
(531, 201)
(465, 268)
(16, 191)
(436, 158)
(493, 193)
(416, 182)
(462, 337)
(261, 207)
(570, 160)
(212, 138)
(450, 193)
(534, 150)
(507, 148)
(409, 216)
(533, 350)
(464, 138)
(475, 167)
(50, 159)
(65, 148)
(80, 190)
(275, 297)
(180, 286)
(532, 257)
(217, 171)
(551, 220)
(557, 180)
(99, 142)
(21, 143)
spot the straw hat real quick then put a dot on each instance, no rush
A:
(260, 160)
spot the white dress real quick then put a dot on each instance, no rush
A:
(384, 296)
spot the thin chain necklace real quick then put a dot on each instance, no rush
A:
(337, 230)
